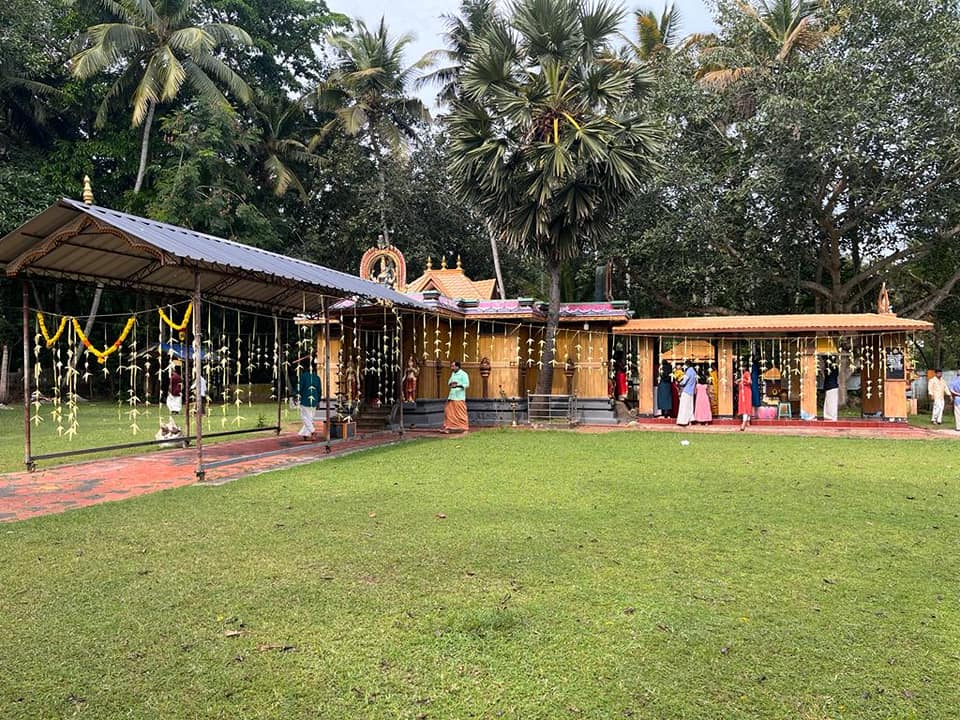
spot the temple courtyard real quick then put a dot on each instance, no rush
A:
(520, 574)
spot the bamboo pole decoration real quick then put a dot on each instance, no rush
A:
(326, 372)
(27, 438)
(277, 376)
(197, 371)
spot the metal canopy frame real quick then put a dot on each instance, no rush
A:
(86, 243)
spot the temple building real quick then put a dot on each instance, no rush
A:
(607, 364)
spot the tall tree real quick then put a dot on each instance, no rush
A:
(368, 93)
(549, 141)
(763, 36)
(158, 50)
(461, 30)
(656, 35)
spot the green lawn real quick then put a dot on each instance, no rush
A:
(619, 575)
(102, 423)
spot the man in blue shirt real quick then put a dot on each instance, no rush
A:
(954, 388)
(688, 386)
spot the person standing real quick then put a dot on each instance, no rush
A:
(745, 398)
(831, 390)
(688, 386)
(937, 388)
(665, 391)
(954, 388)
(175, 390)
(455, 418)
(309, 395)
(702, 410)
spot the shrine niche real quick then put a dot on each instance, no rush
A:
(384, 264)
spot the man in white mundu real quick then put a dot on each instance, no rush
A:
(937, 388)
(688, 386)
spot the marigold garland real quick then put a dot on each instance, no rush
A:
(51, 341)
(181, 328)
(102, 355)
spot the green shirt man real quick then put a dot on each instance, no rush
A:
(459, 382)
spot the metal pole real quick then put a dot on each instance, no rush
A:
(197, 373)
(326, 363)
(27, 453)
(276, 362)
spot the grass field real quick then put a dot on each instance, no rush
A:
(102, 423)
(505, 574)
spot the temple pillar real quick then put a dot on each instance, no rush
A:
(871, 376)
(725, 357)
(646, 378)
(895, 377)
(808, 377)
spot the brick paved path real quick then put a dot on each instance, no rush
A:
(52, 490)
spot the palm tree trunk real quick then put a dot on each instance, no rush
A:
(382, 189)
(87, 329)
(5, 374)
(545, 378)
(496, 260)
(144, 147)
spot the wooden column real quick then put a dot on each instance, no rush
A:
(647, 377)
(895, 376)
(27, 451)
(808, 374)
(725, 357)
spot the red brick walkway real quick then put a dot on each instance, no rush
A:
(53, 490)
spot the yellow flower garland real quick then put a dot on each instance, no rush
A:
(102, 355)
(51, 341)
(181, 328)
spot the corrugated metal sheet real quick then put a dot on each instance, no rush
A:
(92, 243)
(759, 324)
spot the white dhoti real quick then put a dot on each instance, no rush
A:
(937, 416)
(306, 417)
(830, 401)
(174, 403)
(685, 411)
(956, 413)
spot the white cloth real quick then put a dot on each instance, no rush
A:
(831, 400)
(685, 412)
(174, 403)
(306, 417)
(938, 404)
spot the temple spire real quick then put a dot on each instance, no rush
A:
(459, 264)
(87, 190)
(429, 263)
(443, 262)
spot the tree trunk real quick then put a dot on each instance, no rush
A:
(144, 147)
(382, 189)
(545, 378)
(5, 375)
(496, 260)
(87, 329)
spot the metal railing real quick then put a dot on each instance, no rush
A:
(552, 408)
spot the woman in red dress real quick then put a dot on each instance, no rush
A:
(745, 398)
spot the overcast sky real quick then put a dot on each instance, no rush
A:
(422, 19)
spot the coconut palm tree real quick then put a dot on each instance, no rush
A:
(157, 50)
(474, 17)
(368, 94)
(656, 35)
(549, 141)
(461, 30)
(283, 150)
(782, 30)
